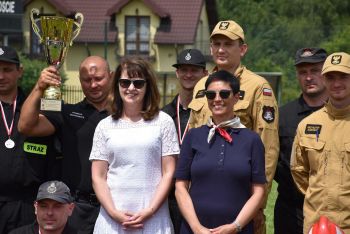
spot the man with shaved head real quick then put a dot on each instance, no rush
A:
(75, 126)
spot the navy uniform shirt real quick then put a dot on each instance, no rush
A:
(31, 162)
(221, 172)
(75, 126)
(290, 116)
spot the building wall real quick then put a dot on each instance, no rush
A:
(164, 55)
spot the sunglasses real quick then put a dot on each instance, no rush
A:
(211, 94)
(125, 83)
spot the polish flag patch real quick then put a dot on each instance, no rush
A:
(267, 92)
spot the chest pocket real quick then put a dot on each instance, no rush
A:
(315, 152)
(241, 110)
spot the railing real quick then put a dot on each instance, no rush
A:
(74, 94)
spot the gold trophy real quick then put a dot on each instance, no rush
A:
(57, 35)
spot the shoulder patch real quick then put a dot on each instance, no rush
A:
(268, 114)
(267, 92)
(241, 94)
(200, 93)
(313, 129)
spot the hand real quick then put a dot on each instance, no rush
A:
(137, 220)
(49, 77)
(259, 219)
(202, 230)
(124, 216)
(224, 229)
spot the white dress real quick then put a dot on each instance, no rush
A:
(133, 151)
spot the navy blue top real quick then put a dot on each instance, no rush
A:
(221, 174)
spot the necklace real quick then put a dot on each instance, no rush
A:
(179, 135)
(9, 143)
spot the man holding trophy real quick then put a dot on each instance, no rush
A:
(75, 125)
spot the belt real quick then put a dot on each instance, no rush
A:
(86, 197)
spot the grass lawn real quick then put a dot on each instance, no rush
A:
(269, 209)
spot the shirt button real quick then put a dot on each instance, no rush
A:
(222, 145)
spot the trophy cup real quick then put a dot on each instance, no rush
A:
(57, 35)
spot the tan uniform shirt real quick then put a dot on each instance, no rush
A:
(257, 109)
(320, 165)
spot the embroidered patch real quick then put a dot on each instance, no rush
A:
(52, 188)
(268, 114)
(34, 148)
(336, 59)
(224, 25)
(313, 129)
(200, 93)
(267, 92)
(241, 94)
(188, 57)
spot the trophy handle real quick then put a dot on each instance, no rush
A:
(79, 21)
(34, 23)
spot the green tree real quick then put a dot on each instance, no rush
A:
(275, 29)
(31, 72)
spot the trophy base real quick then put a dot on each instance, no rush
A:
(50, 105)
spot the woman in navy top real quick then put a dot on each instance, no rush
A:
(220, 176)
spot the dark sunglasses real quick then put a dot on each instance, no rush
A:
(125, 83)
(211, 94)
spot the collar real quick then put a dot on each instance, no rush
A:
(336, 112)
(238, 73)
(303, 106)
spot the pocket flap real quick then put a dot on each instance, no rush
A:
(311, 143)
(347, 147)
(241, 105)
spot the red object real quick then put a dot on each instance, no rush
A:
(224, 134)
(325, 226)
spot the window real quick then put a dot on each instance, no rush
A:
(137, 35)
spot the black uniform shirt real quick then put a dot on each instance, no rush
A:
(76, 130)
(290, 116)
(34, 229)
(170, 109)
(27, 165)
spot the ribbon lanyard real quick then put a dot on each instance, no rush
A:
(9, 129)
(181, 138)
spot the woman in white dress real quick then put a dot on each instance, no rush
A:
(133, 156)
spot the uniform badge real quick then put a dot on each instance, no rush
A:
(188, 57)
(267, 92)
(268, 114)
(52, 188)
(200, 93)
(241, 94)
(306, 53)
(224, 25)
(336, 59)
(313, 129)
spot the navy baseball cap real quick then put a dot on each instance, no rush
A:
(54, 190)
(8, 54)
(310, 55)
(190, 57)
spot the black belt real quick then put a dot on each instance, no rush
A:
(86, 197)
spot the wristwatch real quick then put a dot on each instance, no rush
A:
(237, 225)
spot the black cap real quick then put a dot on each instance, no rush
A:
(54, 190)
(310, 55)
(190, 57)
(8, 54)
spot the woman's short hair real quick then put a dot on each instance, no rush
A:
(224, 76)
(137, 67)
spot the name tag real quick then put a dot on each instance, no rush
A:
(34, 148)
(313, 129)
